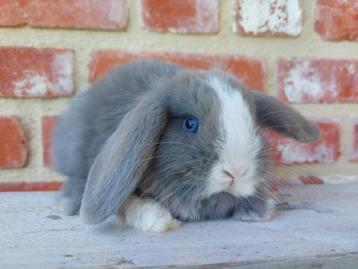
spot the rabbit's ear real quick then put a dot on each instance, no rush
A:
(278, 116)
(123, 160)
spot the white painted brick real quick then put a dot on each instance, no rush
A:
(268, 17)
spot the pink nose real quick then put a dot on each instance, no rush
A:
(235, 173)
(229, 174)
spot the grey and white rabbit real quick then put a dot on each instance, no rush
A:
(159, 144)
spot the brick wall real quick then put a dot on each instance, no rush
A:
(303, 52)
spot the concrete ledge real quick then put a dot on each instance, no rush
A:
(319, 227)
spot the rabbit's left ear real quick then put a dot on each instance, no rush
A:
(278, 116)
(121, 163)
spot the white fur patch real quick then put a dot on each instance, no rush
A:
(64, 205)
(149, 216)
(240, 144)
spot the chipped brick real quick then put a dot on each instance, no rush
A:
(48, 124)
(13, 12)
(31, 186)
(181, 16)
(30, 72)
(105, 14)
(249, 70)
(337, 19)
(354, 148)
(318, 80)
(270, 17)
(13, 143)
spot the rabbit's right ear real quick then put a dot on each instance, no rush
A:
(123, 159)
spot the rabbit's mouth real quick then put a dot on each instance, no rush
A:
(243, 188)
(238, 181)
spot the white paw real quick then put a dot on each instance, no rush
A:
(271, 210)
(149, 216)
(264, 214)
(66, 206)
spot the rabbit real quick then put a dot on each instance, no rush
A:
(160, 144)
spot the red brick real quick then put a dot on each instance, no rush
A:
(31, 186)
(183, 16)
(48, 123)
(337, 19)
(323, 179)
(13, 143)
(30, 72)
(311, 180)
(317, 80)
(325, 150)
(269, 17)
(250, 70)
(104, 14)
(13, 12)
(354, 152)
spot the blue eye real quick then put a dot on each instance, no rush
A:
(191, 125)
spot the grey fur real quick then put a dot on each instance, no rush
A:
(125, 134)
(283, 119)
(123, 158)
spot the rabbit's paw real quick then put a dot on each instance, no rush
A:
(149, 216)
(70, 196)
(255, 209)
(68, 205)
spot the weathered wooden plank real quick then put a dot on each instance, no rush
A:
(336, 261)
(320, 227)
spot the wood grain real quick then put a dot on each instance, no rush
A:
(318, 226)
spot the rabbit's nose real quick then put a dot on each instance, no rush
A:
(230, 177)
(235, 173)
(227, 173)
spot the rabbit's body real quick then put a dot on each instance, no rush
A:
(188, 145)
